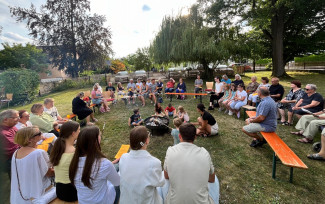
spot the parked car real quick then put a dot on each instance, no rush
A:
(122, 77)
(140, 74)
(221, 71)
(221, 66)
(240, 65)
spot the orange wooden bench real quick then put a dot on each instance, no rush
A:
(71, 116)
(281, 151)
(188, 94)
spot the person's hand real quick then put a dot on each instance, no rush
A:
(247, 121)
(116, 161)
(284, 101)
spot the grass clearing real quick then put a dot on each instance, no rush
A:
(244, 172)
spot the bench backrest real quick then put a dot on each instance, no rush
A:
(209, 85)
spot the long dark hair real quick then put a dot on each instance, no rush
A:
(87, 145)
(59, 146)
(158, 108)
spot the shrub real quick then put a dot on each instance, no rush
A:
(23, 83)
(69, 83)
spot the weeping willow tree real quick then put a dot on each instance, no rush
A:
(186, 39)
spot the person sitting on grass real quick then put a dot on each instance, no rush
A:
(265, 119)
(135, 119)
(170, 110)
(239, 100)
(182, 114)
(131, 89)
(208, 126)
(320, 156)
(141, 173)
(159, 110)
(175, 132)
(111, 88)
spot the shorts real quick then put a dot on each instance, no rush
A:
(130, 93)
(214, 129)
(253, 128)
(288, 106)
(170, 113)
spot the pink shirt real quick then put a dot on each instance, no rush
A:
(170, 84)
(7, 136)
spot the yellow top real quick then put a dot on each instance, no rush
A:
(62, 170)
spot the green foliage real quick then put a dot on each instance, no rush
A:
(141, 59)
(27, 56)
(264, 61)
(311, 58)
(71, 84)
(23, 83)
(86, 73)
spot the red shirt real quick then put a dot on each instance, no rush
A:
(170, 84)
(170, 109)
(7, 136)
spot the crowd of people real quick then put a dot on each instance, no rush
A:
(83, 173)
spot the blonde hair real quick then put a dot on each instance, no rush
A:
(48, 100)
(23, 135)
(181, 109)
(177, 122)
(35, 107)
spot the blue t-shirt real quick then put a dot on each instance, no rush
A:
(227, 82)
(268, 108)
(131, 86)
(175, 134)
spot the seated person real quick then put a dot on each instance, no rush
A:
(218, 93)
(198, 84)
(111, 88)
(232, 94)
(153, 91)
(80, 108)
(120, 89)
(311, 101)
(159, 110)
(276, 90)
(97, 98)
(225, 80)
(170, 86)
(138, 85)
(237, 80)
(50, 109)
(189, 171)
(170, 110)
(181, 88)
(23, 120)
(175, 132)
(252, 86)
(265, 120)
(144, 92)
(308, 126)
(137, 186)
(160, 85)
(253, 97)
(135, 119)
(239, 100)
(225, 98)
(31, 170)
(294, 95)
(131, 90)
(208, 126)
(43, 120)
(320, 156)
(182, 114)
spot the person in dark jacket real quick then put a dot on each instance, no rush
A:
(80, 108)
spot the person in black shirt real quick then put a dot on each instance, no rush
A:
(111, 88)
(207, 124)
(276, 90)
(135, 119)
(80, 108)
(237, 80)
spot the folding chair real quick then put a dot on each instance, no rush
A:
(209, 86)
(8, 99)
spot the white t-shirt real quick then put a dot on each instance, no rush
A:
(102, 184)
(31, 171)
(242, 94)
(138, 86)
(141, 174)
(219, 87)
(188, 167)
(264, 85)
(53, 112)
(21, 125)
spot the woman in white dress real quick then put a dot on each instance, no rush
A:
(31, 171)
(93, 175)
(141, 173)
(23, 120)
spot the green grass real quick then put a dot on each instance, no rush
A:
(244, 172)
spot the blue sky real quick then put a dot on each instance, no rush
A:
(133, 23)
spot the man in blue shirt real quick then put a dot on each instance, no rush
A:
(265, 119)
(226, 79)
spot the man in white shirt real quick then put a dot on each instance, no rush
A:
(50, 109)
(190, 171)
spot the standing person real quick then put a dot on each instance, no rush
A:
(160, 85)
(198, 84)
(189, 171)
(170, 110)
(170, 86)
(237, 80)
(131, 89)
(252, 86)
(31, 170)
(218, 93)
(50, 109)
(136, 186)
(97, 98)
(175, 132)
(265, 119)
(23, 120)
(207, 124)
(80, 108)
(8, 120)
(111, 88)
(153, 91)
(182, 114)
(294, 95)
(181, 88)
(239, 100)
(93, 175)
(61, 156)
(225, 80)
(253, 97)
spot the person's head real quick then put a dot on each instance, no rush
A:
(233, 87)
(263, 92)
(9, 118)
(225, 77)
(144, 82)
(37, 109)
(295, 84)
(95, 87)
(227, 87)
(177, 122)
(264, 80)
(217, 79)
(181, 109)
(237, 77)
(88, 145)
(81, 94)
(138, 80)
(200, 107)
(198, 77)
(253, 78)
(275, 81)
(159, 80)
(49, 102)
(170, 105)
(131, 81)
(241, 87)
(109, 83)
(136, 111)
(153, 81)
(69, 130)
(187, 132)
(158, 108)
(310, 88)
(139, 138)
(171, 79)
(180, 80)
(28, 136)
(23, 116)
(119, 84)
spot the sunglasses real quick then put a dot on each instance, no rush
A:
(307, 89)
(37, 134)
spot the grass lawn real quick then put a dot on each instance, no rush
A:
(244, 172)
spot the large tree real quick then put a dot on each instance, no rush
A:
(74, 39)
(292, 27)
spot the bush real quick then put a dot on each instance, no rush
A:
(69, 83)
(264, 61)
(23, 83)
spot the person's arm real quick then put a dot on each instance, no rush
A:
(257, 119)
(129, 122)
(204, 125)
(311, 105)
(93, 95)
(296, 107)
(166, 175)
(212, 178)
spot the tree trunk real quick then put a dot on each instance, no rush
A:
(208, 73)
(74, 47)
(254, 63)
(277, 30)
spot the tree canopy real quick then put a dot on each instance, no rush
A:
(74, 40)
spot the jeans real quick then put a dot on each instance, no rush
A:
(169, 90)
(237, 104)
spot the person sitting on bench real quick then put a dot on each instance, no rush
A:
(265, 120)
(80, 108)
(131, 89)
(97, 98)
(181, 88)
(170, 86)
(198, 84)
(217, 94)
(111, 88)
(208, 126)
(160, 85)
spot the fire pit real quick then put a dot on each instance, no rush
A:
(157, 125)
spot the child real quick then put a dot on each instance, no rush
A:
(135, 119)
(175, 132)
(182, 114)
(225, 97)
(170, 110)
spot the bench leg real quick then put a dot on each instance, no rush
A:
(274, 166)
(170, 97)
(200, 98)
(291, 174)
(244, 114)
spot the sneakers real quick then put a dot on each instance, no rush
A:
(226, 111)
(220, 109)
(210, 108)
(253, 144)
(238, 115)
(257, 143)
(230, 113)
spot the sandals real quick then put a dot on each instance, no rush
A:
(296, 133)
(305, 140)
(316, 157)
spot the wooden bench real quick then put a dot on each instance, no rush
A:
(71, 116)
(248, 108)
(188, 94)
(281, 151)
(93, 107)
